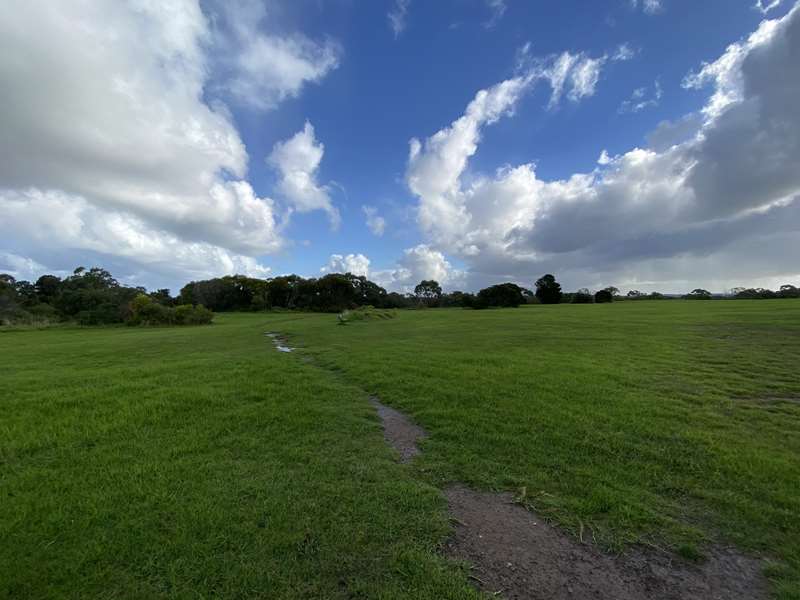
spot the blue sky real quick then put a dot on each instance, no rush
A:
(249, 137)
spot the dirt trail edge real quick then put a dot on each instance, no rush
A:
(516, 555)
(399, 431)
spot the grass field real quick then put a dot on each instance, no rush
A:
(196, 462)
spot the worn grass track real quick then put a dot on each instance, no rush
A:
(198, 462)
(670, 423)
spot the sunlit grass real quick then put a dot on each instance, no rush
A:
(671, 423)
(194, 462)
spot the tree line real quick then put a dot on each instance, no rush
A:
(93, 296)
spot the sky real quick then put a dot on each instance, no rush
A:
(646, 144)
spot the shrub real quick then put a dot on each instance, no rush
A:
(365, 313)
(186, 314)
(143, 310)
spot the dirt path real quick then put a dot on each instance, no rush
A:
(514, 552)
(399, 431)
(516, 555)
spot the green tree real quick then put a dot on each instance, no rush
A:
(698, 294)
(428, 291)
(603, 297)
(548, 290)
(508, 295)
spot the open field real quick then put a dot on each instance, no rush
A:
(200, 461)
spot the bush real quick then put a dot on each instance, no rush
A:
(143, 310)
(365, 313)
(186, 314)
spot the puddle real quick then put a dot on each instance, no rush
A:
(399, 431)
(519, 556)
(279, 341)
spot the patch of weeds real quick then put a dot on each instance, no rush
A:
(690, 552)
(365, 313)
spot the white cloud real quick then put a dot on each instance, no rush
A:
(357, 264)
(398, 17)
(435, 167)
(106, 133)
(375, 223)
(88, 230)
(575, 74)
(498, 9)
(297, 160)
(697, 196)
(650, 7)
(418, 263)
(623, 53)
(765, 6)
(262, 68)
(640, 99)
(21, 267)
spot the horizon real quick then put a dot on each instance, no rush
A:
(472, 143)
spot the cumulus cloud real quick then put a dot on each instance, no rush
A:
(375, 223)
(398, 17)
(357, 264)
(109, 146)
(435, 167)
(21, 267)
(297, 160)
(262, 69)
(731, 175)
(89, 230)
(418, 263)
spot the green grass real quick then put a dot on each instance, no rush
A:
(671, 423)
(197, 462)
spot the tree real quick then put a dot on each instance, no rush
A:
(789, 291)
(698, 294)
(47, 288)
(614, 291)
(163, 297)
(603, 296)
(428, 291)
(508, 295)
(582, 296)
(548, 290)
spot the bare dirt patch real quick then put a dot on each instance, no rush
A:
(399, 431)
(519, 556)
